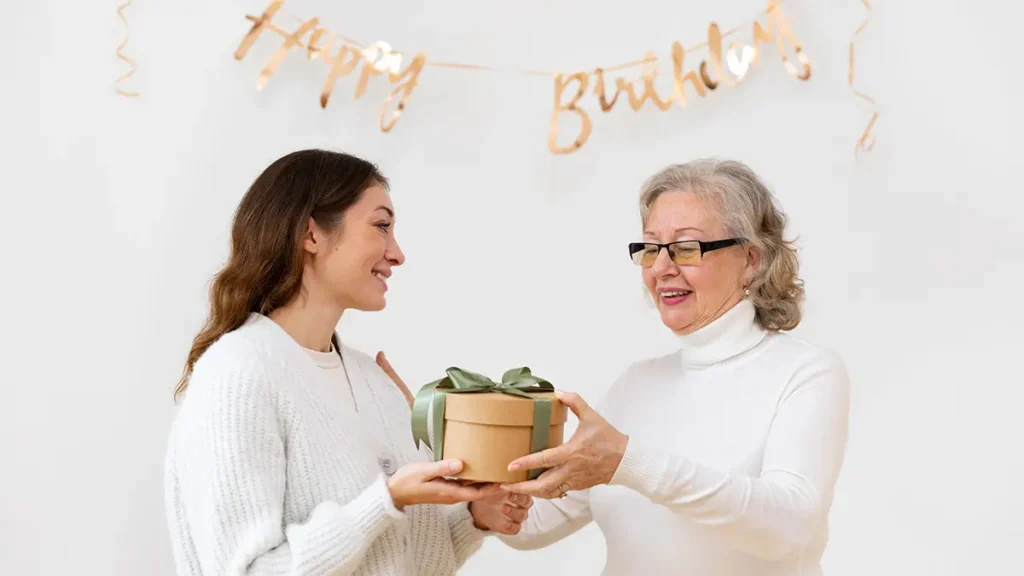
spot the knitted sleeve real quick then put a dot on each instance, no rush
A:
(466, 538)
(231, 483)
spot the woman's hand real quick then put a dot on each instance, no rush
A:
(589, 458)
(503, 512)
(425, 483)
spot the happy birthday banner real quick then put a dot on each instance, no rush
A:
(341, 56)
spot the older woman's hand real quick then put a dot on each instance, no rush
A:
(589, 458)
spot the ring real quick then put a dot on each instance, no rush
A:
(563, 489)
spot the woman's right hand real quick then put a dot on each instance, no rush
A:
(425, 483)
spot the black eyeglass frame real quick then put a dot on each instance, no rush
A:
(705, 247)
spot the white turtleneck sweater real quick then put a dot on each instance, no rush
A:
(277, 463)
(735, 445)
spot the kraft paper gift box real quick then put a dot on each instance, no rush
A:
(488, 424)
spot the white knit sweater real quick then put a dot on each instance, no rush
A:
(267, 472)
(736, 443)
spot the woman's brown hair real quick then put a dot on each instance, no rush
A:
(264, 270)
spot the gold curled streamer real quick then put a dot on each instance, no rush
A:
(121, 56)
(867, 140)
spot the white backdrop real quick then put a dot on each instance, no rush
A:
(118, 211)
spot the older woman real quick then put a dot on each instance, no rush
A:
(720, 458)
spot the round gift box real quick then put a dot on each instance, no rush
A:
(488, 430)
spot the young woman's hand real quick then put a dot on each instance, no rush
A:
(503, 513)
(425, 483)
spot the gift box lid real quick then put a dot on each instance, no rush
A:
(499, 409)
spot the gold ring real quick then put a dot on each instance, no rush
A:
(563, 489)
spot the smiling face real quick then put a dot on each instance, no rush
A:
(693, 296)
(351, 267)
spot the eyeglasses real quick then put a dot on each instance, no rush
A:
(683, 253)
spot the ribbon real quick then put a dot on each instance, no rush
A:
(520, 382)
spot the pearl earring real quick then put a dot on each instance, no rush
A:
(746, 292)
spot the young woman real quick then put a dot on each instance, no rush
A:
(291, 452)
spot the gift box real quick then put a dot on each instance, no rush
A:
(488, 424)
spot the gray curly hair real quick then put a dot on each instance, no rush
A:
(748, 210)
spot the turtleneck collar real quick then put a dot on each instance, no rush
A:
(730, 335)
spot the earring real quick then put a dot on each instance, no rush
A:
(746, 292)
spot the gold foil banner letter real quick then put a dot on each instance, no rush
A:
(560, 84)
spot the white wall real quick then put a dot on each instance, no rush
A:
(118, 210)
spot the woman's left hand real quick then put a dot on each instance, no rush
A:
(502, 512)
(589, 458)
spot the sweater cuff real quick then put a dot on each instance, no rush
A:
(637, 470)
(386, 501)
(466, 537)
(336, 532)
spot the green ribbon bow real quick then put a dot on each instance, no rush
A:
(515, 382)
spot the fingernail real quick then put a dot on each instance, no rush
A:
(513, 467)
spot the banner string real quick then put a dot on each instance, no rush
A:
(530, 72)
